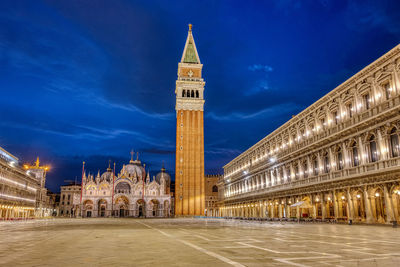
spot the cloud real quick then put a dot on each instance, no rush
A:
(158, 151)
(257, 67)
(261, 84)
(267, 112)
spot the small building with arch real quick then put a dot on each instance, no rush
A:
(211, 195)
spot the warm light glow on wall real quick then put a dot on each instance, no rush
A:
(2, 178)
(17, 198)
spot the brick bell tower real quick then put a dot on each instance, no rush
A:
(189, 162)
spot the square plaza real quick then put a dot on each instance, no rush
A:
(194, 242)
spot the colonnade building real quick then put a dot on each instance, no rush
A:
(22, 191)
(339, 159)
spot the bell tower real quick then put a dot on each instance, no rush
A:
(189, 162)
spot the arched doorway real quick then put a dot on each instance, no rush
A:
(359, 206)
(122, 204)
(102, 204)
(378, 206)
(141, 208)
(395, 192)
(87, 208)
(155, 208)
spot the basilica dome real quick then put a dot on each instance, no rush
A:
(165, 175)
(107, 176)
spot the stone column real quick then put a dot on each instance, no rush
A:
(396, 82)
(335, 205)
(389, 208)
(346, 159)
(280, 211)
(309, 167)
(382, 149)
(368, 211)
(320, 164)
(361, 152)
(323, 207)
(332, 164)
(350, 209)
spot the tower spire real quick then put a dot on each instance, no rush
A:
(190, 54)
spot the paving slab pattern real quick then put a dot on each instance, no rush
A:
(194, 242)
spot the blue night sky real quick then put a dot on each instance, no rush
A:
(91, 80)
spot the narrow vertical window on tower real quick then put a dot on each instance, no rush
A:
(189, 165)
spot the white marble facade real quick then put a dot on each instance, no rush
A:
(340, 155)
(130, 193)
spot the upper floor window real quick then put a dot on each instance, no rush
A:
(215, 189)
(323, 122)
(336, 117)
(288, 174)
(305, 169)
(350, 110)
(388, 90)
(326, 163)
(373, 153)
(394, 143)
(183, 93)
(366, 101)
(354, 154)
(197, 94)
(339, 159)
(315, 167)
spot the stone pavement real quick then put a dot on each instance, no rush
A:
(194, 242)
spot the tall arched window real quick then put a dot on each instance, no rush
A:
(326, 163)
(296, 172)
(388, 90)
(183, 93)
(215, 189)
(339, 159)
(354, 155)
(192, 94)
(315, 166)
(394, 143)
(197, 94)
(305, 169)
(373, 154)
(288, 174)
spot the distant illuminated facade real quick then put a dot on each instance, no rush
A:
(67, 195)
(130, 193)
(338, 159)
(211, 195)
(21, 189)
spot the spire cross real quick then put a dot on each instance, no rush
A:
(190, 27)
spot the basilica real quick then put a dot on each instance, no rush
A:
(130, 193)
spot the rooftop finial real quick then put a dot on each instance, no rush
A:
(190, 27)
(109, 165)
(37, 162)
(132, 153)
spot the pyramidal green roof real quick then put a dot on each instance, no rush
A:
(190, 53)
